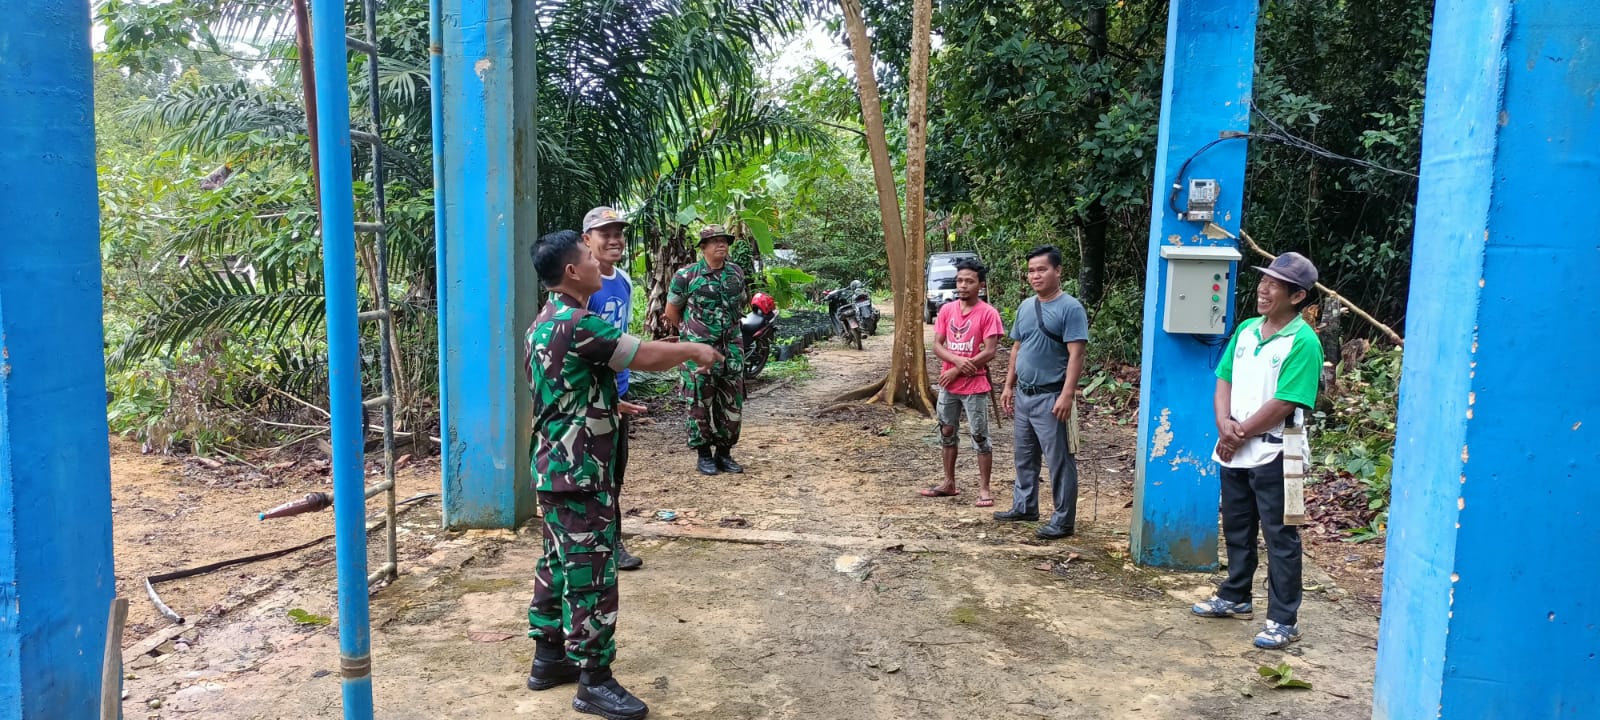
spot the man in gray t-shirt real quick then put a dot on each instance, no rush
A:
(1051, 330)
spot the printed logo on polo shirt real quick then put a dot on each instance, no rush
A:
(613, 310)
(1276, 359)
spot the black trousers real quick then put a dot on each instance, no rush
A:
(1252, 500)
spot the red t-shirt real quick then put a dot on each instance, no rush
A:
(963, 337)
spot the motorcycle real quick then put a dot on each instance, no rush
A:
(758, 328)
(864, 309)
(846, 313)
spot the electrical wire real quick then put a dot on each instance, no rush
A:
(1280, 136)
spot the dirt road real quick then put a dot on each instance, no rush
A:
(816, 585)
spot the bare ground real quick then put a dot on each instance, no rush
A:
(741, 611)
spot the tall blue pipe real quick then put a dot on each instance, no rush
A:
(344, 364)
(436, 90)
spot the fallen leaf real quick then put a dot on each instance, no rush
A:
(302, 617)
(1044, 566)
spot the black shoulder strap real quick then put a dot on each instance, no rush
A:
(1038, 319)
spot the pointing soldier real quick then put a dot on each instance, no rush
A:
(573, 357)
(704, 302)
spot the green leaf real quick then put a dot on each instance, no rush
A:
(758, 228)
(301, 617)
(687, 215)
(794, 276)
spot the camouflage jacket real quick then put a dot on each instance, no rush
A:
(713, 301)
(573, 357)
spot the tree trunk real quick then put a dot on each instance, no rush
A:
(907, 380)
(1092, 250)
(1092, 255)
(667, 253)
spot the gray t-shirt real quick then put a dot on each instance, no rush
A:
(1040, 359)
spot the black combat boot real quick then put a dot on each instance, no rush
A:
(627, 560)
(550, 667)
(600, 694)
(725, 462)
(707, 464)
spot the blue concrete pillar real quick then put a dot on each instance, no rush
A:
(1210, 65)
(486, 189)
(56, 581)
(1492, 589)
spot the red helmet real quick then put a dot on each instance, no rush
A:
(765, 303)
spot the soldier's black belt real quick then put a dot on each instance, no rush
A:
(1027, 389)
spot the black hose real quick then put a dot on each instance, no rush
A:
(150, 582)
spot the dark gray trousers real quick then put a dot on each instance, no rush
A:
(1252, 500)
(1037, 435)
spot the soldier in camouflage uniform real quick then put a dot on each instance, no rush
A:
(573, 357)
(705, 301)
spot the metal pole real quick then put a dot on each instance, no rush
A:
(1210, 65)
(436, 90)
(344, 362)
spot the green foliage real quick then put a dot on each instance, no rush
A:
(1349, 76)
(796, 368)
(209, 210)
(1357, 434)
(1044, 129)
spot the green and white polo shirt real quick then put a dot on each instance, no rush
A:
(1285, 366)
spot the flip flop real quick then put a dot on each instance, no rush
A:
(936, 492)
(984, 502)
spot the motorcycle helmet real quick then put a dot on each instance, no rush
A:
(764, 303)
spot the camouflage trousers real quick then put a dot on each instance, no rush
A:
(715, 399)
(575, 583)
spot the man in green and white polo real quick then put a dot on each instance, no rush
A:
(1266, 382)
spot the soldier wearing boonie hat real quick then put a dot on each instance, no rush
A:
(705, 301)
(1266, 382)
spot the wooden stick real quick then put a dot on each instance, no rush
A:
(1394, 336)
(111, 662)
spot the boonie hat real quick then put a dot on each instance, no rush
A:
(714, 231)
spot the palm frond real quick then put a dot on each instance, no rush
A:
(217, 298)
(222, 120)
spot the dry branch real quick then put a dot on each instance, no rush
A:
(1385, 329)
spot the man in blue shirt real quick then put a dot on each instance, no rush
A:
(603, 232)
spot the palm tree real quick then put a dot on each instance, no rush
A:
(640, 100)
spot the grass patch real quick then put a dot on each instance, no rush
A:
(964, 615)
(795, 368)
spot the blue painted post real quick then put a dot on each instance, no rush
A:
(485, 185)
(1205, 91)
(330, 60)
(56, 581)
(1492, 589)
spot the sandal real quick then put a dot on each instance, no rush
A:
(984, 502)
(935, 492)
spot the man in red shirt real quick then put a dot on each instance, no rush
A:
(966, 337)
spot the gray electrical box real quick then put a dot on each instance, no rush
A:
(1199, 288)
